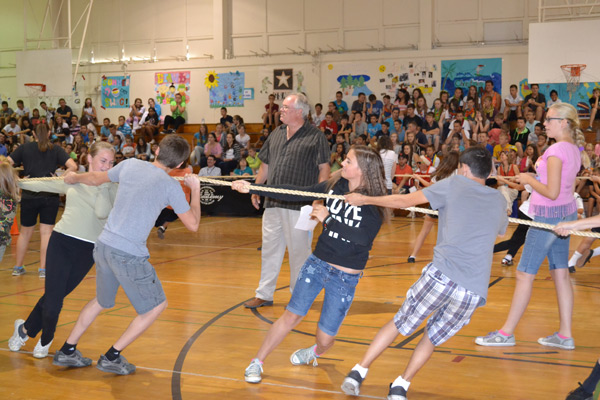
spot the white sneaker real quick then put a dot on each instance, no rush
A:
(16, 341)
(41, 351)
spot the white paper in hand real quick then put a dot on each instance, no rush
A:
(305, 223)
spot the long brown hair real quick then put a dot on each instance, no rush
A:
(373, 175)
(447, 167)
(9, 180)
(41, 134)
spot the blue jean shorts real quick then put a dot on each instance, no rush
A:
(116, 268)
(316, 275)
(541, 243)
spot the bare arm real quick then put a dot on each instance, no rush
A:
(191, 218)
(391, 201)
(71, 165)
(324, 170)
(261, 177)
(550, 190)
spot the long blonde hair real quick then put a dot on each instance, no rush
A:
(9, 180)
(569, 113)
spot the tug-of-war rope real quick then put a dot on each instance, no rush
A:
(219, 181)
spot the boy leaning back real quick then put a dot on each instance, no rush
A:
(121, 254)
(452, 286)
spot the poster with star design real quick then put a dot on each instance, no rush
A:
(280, 81)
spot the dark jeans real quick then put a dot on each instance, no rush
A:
(68, 261)
(166, 215)
(516, 240)
(176, 122)
(227, 167)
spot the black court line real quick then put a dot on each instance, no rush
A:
(532, 353)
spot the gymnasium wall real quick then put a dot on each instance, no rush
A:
(313, 37)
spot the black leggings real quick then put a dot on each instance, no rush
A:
(516, 240)
(68, 261)
(176, 122)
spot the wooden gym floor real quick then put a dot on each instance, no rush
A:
(200, 346)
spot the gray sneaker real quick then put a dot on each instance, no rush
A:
(120, 366)
(304, 356)
(495, 339)
(75, 360)
(556, 341)
(254, 371)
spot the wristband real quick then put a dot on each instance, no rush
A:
(327, 221)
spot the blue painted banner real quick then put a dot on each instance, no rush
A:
(580, 99)
(465, 73)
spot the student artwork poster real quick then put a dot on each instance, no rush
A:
(115, 91)
(227, 90)
(471, 72)
(168, 84)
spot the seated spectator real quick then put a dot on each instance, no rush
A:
(142, 147)
(60, 129)
(157, 109)
(340, 105)
(70, 152)
(3, 148)
(553, 99)
(264, 134)
(480, 124)
(396, 143)
(339, 139)
(210, 169)
(82, 158)
(373, 126)
(484, 140)
(153, 150)
(389, 158)
(487, 108)
(88, 130)
(384, 131)
(176, 119)
(64, 111)
(402, 100)
(400, 131)
(388, 107)
(403, 174)
(329, 126)
(48, 113)
(105, 128)
(431, 129)
(35, 117)
(136, 112)
(89, 111)
(456, 135)
(118, 144)
(242, 168)
(226, 120)
(395, 116)
(503, 145)
(237, 121)
(411, 116)
(77, 143)
(345, 128)
(359, 106)
(271, 113)
(114, 133)
(124, 127)
(374, 107)
(542, 143)
(430, 158)
(594, 103)
(529, 159)
(494, 98)
(496, 128)
(6, 113)
(513, 104)
(21, 111)
(212, 147)
(359, 127)
(337, 117)
(253, 160)
(530, 121)
(220, 133)
(231, 155)
(421, 108)
(26, 133)
(423, 175)
(361, 140)
(473, 93)
(148, 125)
(119, 157)
(469, 110)
(420, 137)
(318, 116)
(337, 157)
(520, 136)
(535, 101)
(242, 138)
(508, 187)
(198, 141)
(74, 127)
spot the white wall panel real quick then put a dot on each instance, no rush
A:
(458, 32)
(282, 43)
(361, 39)
(494, 9)
(401, 36)
(199, 17)
(248, 16)
(284, 16)
(243, 45)
(362, 14)
(451, 10)
(322, 40)
(319, 14)
(397, 12)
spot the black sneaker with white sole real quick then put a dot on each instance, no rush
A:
(396, 393)
(120, 366)
(352, 382)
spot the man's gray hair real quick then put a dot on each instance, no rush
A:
(301, 103)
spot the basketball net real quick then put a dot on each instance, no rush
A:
(572, 74)
(34, 92)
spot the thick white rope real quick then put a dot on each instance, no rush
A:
(340, 197)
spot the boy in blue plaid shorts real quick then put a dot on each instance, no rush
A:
(471, 216)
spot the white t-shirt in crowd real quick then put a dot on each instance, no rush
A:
(389, 158)
(242, 140)
(514, 100)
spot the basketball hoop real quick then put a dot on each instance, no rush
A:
(573, 75)
(34, 91)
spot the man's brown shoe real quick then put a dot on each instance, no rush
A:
(256, 302)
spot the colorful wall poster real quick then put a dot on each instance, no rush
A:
(115, 91)
(167, 84)
(465, 73)
(580, 99)
(226, 89)
(280, 81)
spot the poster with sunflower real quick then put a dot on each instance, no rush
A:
(167, 84)
(226, 89)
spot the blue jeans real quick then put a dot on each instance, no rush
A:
(542, 243)
(339, 286)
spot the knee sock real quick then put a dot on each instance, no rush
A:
(361, 370)
(589, 385)
(401, 382)
(596, 252)
(574, 258)
(68, 349)
(112, 354)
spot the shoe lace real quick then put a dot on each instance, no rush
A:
(254, 368)
(307, 355)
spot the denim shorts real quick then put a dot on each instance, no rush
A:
(449, 304)
(542, 243)
(116, 268)
(316, 275)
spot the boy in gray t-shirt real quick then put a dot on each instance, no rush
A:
(471, 216)
(121, 255)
